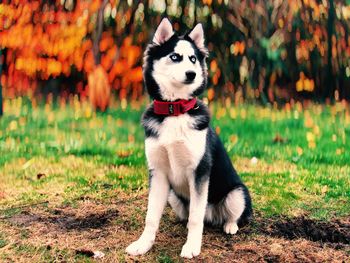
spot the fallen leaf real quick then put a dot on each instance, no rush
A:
(40, 176)
(98, 254)
(254, 160)
(89, 253)
(279, 139)
(27, 164)
(124, 153)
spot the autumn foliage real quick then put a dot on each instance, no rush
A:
(269, 51)
(50, 41)
(99, 88)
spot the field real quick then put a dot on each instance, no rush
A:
(73, 181)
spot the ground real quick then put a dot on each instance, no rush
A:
(74, 182)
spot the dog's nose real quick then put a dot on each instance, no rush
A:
(190, 75)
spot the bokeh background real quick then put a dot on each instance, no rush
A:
(73, 173)
(275, 51)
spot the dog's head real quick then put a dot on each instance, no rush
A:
(174, 66)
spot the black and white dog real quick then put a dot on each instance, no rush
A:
(187, 162)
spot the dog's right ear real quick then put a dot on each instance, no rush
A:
(163, 32)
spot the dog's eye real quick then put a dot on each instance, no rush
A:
(193, 59)
(175, 57)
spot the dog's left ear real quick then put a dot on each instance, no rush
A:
(197, 35)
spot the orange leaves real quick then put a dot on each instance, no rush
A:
(45, 40)
(237, 48)
(119, 63)
(109, 57)
(46, 66)
(216, 71)
(89, 63)
(95, 5)
(213, 65)
(30, 66)
(207, 2)
(135, 74)
(99, 88)
(134, 53)
(106, 62)
(42, 44)
(211, 94)
(112, 52)
(106, 42)
(54, 67)
(305, 84)
(303, 49)
(129, 75)
(130, 52)
(117, 69)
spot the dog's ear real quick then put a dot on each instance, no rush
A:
(197, 35)
(163, 32)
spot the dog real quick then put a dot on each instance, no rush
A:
(188, 164)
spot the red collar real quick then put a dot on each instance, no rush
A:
(173, 108)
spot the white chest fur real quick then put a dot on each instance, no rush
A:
(177, 151)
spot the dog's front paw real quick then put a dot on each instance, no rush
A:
(190, 250)
(139, 247)
(230, 228)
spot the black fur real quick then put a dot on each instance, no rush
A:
(155, 52)
(147, 116)
(215, 165)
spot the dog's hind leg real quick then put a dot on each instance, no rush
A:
(178, 206)
(237, 205)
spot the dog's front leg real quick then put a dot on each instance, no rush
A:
(198, 204)
(158, 194)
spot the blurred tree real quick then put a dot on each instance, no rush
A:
(266, 50)
(331, 82)
(99, 88)
(1, 63)
(51, 41)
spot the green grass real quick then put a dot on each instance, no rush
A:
(295, 162)
(302, 154)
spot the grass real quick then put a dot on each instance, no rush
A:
(295, 161)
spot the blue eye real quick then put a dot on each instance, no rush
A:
(193, 59)
(175, 57)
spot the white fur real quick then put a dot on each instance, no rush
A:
(178, 206)
(151, 124)
(175, 153)
(235, 205)
(226, 213)
(198, 203)
(170, 76)
(164, 32)
(172, 159)
(156, 202)
(197, 35)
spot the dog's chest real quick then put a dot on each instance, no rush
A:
(177, 151)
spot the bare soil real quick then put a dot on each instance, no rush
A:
(109, 226)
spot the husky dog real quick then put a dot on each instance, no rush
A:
(187, 162)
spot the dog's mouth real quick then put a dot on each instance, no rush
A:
(188, 82)
(179, 83)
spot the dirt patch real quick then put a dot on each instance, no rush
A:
(335, 231)
(89, 221)
(109, 227)
(270, 249)
(66, 218)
